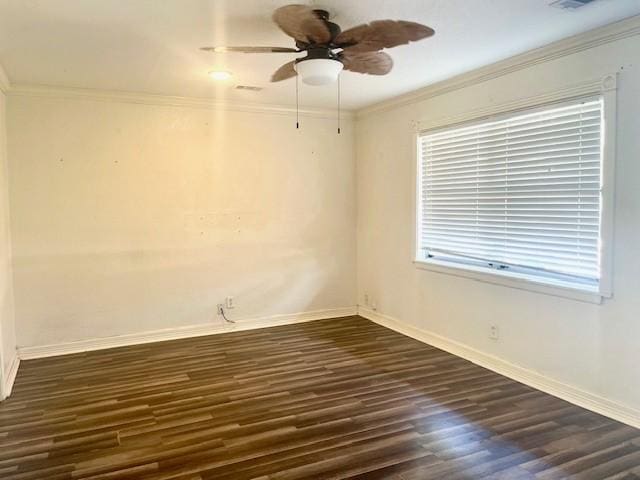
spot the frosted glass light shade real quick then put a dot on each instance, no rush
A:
(318, 71)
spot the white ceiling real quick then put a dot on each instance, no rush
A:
(152, 46)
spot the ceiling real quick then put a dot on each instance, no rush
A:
(152, 46)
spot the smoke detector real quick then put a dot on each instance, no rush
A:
(570, 4)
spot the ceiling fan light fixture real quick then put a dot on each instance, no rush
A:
(319, 71)
(220, 75)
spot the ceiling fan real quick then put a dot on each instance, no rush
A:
(329, 50)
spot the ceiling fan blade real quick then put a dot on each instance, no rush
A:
(373, 63)
(301, 23)
(250, 49)
(381, 34)
(285, 71)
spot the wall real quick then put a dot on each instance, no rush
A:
(8, 356)
(594, 348)
(132, 217)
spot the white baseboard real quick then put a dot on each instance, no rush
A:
(10, 376)
(584, 399)
(26, 353)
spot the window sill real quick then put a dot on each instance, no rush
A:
(510, 280)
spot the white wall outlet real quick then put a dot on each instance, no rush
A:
(494, 332)
(366, 299)
(229, 302)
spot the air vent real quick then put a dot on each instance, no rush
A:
(248, 87)
(570, 4)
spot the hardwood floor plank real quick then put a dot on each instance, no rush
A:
(335, 399)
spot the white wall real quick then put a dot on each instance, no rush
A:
(592, 347)
(129, 218)
(7, 322)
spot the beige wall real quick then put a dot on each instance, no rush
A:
(128, 218)
(593, 347)
(7, 325)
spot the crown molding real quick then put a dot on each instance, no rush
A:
(562, 48)
(5, 84)
(49, 91)
(602, 85)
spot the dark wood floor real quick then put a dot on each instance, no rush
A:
(330, 399)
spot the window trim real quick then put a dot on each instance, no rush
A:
(604, 88)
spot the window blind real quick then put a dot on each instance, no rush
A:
(520, 193)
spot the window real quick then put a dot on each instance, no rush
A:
(519, 196)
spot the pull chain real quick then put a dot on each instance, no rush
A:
(297, 108)
(338, 104)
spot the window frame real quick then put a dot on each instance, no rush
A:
(604, 89)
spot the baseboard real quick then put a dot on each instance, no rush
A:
(584, 399)
(27, 353)
(10, 376)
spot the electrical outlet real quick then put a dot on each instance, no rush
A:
(366, 299)
(220, 309)
(494, 332)
(229, 302)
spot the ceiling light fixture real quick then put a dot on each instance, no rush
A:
(220, 75)
(319, 71)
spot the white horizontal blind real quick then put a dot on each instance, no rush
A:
(520, 193)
